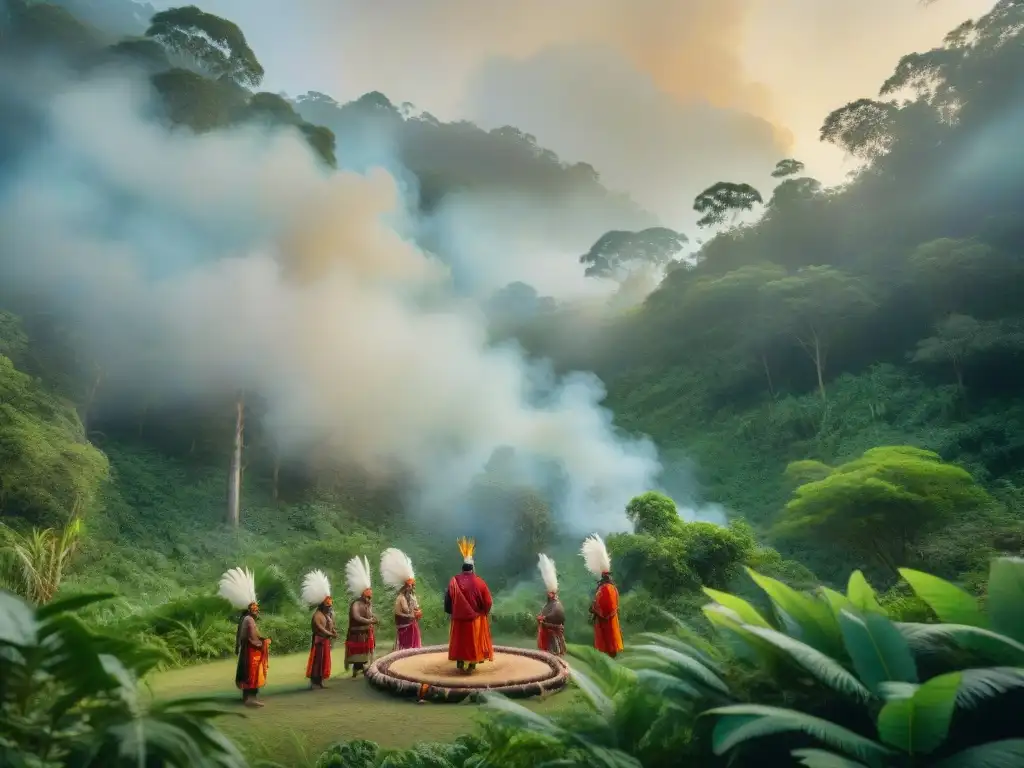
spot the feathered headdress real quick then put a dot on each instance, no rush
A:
(467, 547)
(316, 588)
(396, 568)
(357, 574)
(546, 566)
(238, 587)
(595, 555)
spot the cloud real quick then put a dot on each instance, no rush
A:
(588, 103)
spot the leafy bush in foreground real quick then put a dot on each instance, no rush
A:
(70, 697)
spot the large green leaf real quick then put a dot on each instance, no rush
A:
(69, 604)
(743, 644)
(995, 647)
(814, 620)
(949, 602)
(837, 600)
(819, 758)
(978, 685)
(599, 700)
(1006, 597)
(995, 754)
(823, 668)
(683, 646)
(742, 722)
(687, 665)
(17, 623)
(920, 723)
(739, 606)
(879, 652)
(862, 595)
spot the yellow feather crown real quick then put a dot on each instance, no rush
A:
(466, 547)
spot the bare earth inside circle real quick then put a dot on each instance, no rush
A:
(427, 675)
(436, 669)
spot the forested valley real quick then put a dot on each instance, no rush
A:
(831, 377)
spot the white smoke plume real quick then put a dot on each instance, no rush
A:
(199, 265)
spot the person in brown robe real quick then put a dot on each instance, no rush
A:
(359, 640)
(551, 626)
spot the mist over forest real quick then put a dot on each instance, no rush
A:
(247, 320)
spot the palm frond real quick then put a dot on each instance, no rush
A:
(979, 685)
(740, 723)
(1008, 753)
(992, 645)
(681, 662)
(824, 669)
(819, 758)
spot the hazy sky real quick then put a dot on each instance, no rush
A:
(662, 96)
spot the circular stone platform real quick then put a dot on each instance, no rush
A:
(427, 674)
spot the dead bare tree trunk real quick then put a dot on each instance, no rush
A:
(90, 398)
(235, 472)
(277, 475)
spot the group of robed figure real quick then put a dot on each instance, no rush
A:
(467, 602)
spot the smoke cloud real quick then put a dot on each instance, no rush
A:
(198, 265)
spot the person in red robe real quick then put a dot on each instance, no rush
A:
(468, 602)
(604, 610)
(316, 590)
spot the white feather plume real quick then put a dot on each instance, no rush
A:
(357, 574)
(316, 588)
(548, 573)
(395, 568)
(595, 555)
(238, 587)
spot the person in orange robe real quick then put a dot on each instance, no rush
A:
(605, 613)
(604, 610)
(468, 602)
(253, 657)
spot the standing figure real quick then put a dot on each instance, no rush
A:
(359, 640)
(468, 602)
(396, 571)
(551, 621)
(604, 610)
(316, 590)
(239, 588)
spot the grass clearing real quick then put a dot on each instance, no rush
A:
(297, 724)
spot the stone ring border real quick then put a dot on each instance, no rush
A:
(380, 676)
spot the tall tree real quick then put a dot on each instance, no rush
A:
(960, 338)
(729, 314)
(864, 128)
(722, 198)
(618, 253)
(787, 167)
(216, 45)
(817, 304)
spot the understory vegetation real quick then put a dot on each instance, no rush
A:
(842, 374)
